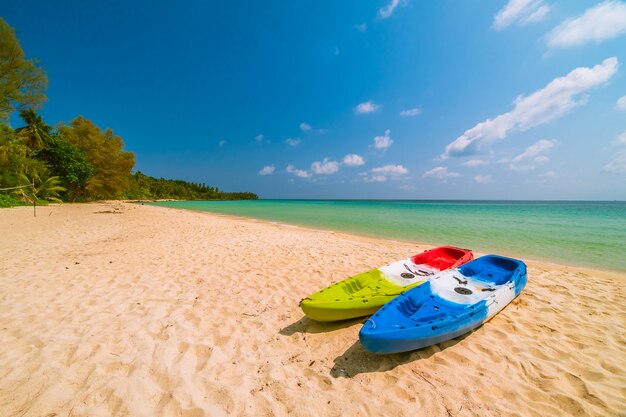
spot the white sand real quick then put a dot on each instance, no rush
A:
(113, 309)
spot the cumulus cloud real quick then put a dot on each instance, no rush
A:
(521, 12)
(618, 164)
(384, 141)
(298, 172)
(305, 127)
(621, 103)
(387, 11)
(267, 170)
(411, 112)
(353, 160)
(549, 175)
(390, 170)
(604, 21)
(544, 105)
(473, 163)
(440, 172)
(483, 179)
(325, 167)
(366, 107)
(293, 141)
(532, 156)
(381, 174)
(260, 138)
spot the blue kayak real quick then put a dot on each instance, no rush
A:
(451, 303)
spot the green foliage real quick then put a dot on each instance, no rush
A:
(77, 161)
(103, 151)
(143, 187)
(8, 201)
(22, 82)
(45, 187)
(15, 161)
(36, 132)
(68, 163)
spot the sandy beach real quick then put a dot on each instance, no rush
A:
(118, 309)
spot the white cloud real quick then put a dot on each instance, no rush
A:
(222, 143)
(298, 172)
(550, 175)
(384, 141)
(540, 107)
(366, 107)
(293, 141)
(621, 103)
(606, 20)
(440, 172)
(483, 179)
(472, 163)
(260, 138)
(387, 11)
(532, 156)
(361, 28)
(390, 170)
(618, 164)
(411, 112)
(353, 160)
(305, 127)
(267, 170)
(381, 174)
(326, 167)
(520, 11)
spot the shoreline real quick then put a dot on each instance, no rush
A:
(119, 309)
(546, 262)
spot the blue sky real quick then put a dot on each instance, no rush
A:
(521, 99)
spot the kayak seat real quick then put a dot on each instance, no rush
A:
(491, 269)
(440, 258)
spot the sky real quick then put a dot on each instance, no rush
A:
(390, 99)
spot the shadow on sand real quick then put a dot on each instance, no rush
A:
(356, 360)
(306, 325)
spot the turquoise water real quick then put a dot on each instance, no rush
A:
(580, 233)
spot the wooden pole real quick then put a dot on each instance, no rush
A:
(34, 200)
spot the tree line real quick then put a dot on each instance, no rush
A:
(68, 162)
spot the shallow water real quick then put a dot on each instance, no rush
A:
(581, 233)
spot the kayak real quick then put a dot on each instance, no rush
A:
(363, 294)
(448, 305)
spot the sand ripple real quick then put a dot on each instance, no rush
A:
(114, 309)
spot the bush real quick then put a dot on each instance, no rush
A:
(7, 201)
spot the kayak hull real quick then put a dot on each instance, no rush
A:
(451, 304)
(363, 294)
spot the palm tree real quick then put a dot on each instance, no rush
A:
(44, 187)
(10, 146)
(36, 132)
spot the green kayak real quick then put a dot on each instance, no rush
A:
(363, 294)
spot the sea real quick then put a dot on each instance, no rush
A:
(582, 233)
